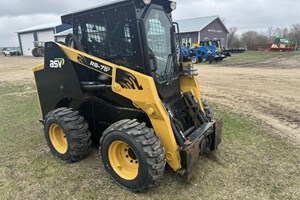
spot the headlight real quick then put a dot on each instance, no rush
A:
(173, 5)
(147, 2)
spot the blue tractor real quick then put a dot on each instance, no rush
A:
(185, 53)
(201, 54)
(218, 56)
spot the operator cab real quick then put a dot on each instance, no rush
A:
(135, 34)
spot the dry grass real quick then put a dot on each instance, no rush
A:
(251, 57)
(250, 163)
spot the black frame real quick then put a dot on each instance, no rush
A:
(165, 91)
(136, 11)
(115, 12)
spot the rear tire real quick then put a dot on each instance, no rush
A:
(34, 52)
(132, 154)
(40, 51)
(67, 134)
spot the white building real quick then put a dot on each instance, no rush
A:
(61, 37)
(38, 33)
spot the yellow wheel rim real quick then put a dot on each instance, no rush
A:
(58, 138)
(123, 160)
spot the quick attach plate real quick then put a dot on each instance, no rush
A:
(190, 155)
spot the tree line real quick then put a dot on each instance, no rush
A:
(253, 37)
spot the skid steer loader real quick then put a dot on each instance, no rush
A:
(118, 79)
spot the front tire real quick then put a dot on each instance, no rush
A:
(194, 59)
(132, 154)
(67, 134)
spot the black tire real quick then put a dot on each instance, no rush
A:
(210, 59)
(147, 152)
(194, 59)
(40, 51)
(75, 130)
(34, 52)
(207, 109)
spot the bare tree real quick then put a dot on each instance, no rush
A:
(253, 37)
(249, 38)
(294, 34)
(233, 30)
(261, 38)
(233, 39)
(278, 32)
(285, 32)
(271, 33)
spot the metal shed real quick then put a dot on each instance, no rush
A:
(38, 33)
(61, 37)
(198, 29)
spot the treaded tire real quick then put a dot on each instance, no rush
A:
(210, 59)
(146, 147)
(207, 109)
(194, 59)
(34, 52)
(76, 132)
(40, 51)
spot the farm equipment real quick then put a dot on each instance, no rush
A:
(39, 49)
(217, 44)
(206, 51)
(196, 54)
(185, 54)
(236, 50)
(282, 44)
(221, 49)
(217, 55)
(119, 78)
(201, 54)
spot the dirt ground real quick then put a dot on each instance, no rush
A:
(268, 91)
(17, 68)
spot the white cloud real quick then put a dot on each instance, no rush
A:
(245, 15)
(255, 14)
(13, 24)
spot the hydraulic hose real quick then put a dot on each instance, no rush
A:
(193, 105)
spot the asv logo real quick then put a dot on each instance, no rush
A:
(57, 63)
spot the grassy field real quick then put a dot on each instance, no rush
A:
(255, 56)
(251, 163)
